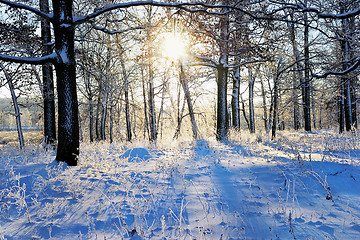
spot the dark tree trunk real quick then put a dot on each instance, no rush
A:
(222, 125)
(235, 107)
(91, 120)
(263, 93)
(306, 88)
(48, 82)
(251, 102)
(68, 124)
(341, 110)
(275, 105)
(296, 77)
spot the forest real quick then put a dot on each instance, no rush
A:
(199, 83)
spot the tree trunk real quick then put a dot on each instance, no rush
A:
(68, 124)
(91, 119)
(152, 115)
(16, 107)
(235, 107)
(222, 125)
(251, 102)
(146, 124)
(296, 77)
(189, 102)
(275, 104)
(263, 93)
(104, 114)
(111, 127)
(306, 83)
(48, 82)
(127, 103)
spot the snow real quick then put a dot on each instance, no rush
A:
(301, 186)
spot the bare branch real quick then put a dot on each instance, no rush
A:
(120, 31)
(47, 16)
(184, 6)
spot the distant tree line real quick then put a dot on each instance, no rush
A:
(294, 64)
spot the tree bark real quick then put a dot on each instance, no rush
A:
(222, 125)
(16, 107)
(48, 82)
(235, 107)
(251, 102)
(68, 123)
(189, 102)
(306, 88)
(296, 77)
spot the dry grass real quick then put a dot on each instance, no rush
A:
(11, 137)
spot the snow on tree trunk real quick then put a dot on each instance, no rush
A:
(68, 124)
(48, 82)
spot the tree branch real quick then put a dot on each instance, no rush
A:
(47, 16)
(30, 60)
(350, 69)
(184, 6)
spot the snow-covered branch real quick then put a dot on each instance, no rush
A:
(248, 62)
(103, 29)
(29, 60)
(185, 6)
(28, 8)
(206, 61)
(350, 69)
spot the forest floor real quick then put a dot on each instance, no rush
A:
(301, 186)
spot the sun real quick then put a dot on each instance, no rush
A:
(173, 47)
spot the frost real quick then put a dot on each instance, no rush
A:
(302, 185)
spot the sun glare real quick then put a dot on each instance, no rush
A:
(173, 47)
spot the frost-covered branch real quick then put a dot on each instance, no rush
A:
(47, 16)
(29, 60)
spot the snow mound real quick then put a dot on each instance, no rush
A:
(136, 155)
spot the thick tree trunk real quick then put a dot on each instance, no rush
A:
(235, 107)
(68, 124)
(48, 82)
(189, 102)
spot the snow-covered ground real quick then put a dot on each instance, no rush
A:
(301, 186)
